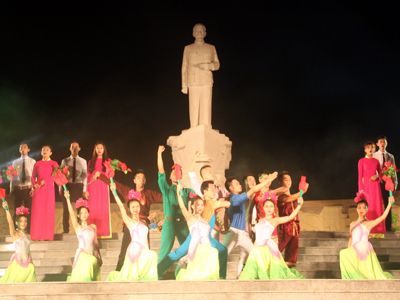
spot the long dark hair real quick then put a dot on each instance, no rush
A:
(94, 157)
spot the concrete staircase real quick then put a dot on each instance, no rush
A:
(318, 255)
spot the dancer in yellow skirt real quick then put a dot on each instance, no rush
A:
(140, 262)
(359, 260)
(265, 261)
(202, 258)
(87, 262)
(21, 268)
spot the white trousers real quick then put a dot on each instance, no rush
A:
(238, 238)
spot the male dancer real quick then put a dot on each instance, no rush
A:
(174, 223)
(208, 191)
(21, 187)
(383, 157)
(207, 174)
(149, 197)
(237, 236)
(77, 180)
(289, 232)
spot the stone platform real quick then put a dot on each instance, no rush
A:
(221, 290)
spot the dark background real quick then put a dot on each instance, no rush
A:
(302, 85)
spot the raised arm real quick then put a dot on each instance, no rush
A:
(259, 186)
(72, 215)
(185, 212)
(193, 163)
(292, 198)
(373, 223)
(128, 221)
(121, 188)
(9, 220)
(160, 163)
(282, 220)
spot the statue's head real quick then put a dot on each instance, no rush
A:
(199, 31)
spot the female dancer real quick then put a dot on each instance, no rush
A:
(98, 192)
(140, 262)
(265, 260)
(43, 201)
(368, 181)
(359, 260)
(203, 261)
(21, 268)
(87, 260)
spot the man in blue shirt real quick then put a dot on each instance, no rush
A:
(237, 235)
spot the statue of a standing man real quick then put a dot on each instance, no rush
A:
(199, 59)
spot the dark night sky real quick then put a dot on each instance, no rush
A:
(301, 87)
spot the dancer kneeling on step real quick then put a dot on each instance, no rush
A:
(21, 268)
(359, 260)
(87, 262)
(265, 261)
(202, 258)
(140, 262)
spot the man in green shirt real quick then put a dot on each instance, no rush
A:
(174, 222)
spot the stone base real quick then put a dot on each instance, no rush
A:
(221, 289)
(215, 149)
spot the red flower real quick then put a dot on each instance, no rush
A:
(15, 173)
(60, 178)
(65, 170)
(10, 167)
(110, 173)
(123, 167)
(56, 165)
(8, 172)
(1, 180)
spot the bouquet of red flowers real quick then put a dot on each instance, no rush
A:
(10, 172)
(60, 176)
(112, 166)
(389, 172)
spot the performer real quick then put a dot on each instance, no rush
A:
(87, 262)
(249, 181)
(202, 258)
(174, 223)
(21, 268)
(368, 181)
(98, 192)
(265, 261)
(289, 231)
(359, 260)
(140, 262)
(21, 187)
(43, 201)
(148, 198)
(237, 236)
(383, 157)
(208, 191)
(207, 174)
(258, 199)
(77, 180)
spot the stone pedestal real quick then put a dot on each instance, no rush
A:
(215, 149)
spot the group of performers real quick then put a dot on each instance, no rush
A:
(190, 216)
